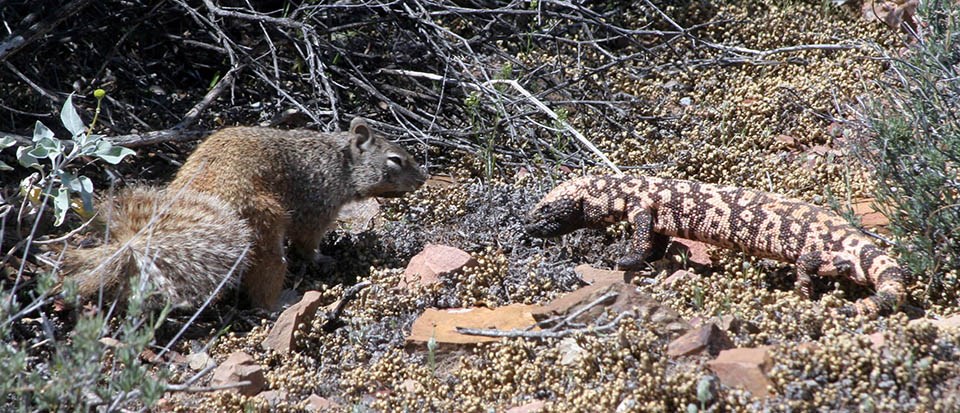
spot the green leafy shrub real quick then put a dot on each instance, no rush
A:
(97, 367)
(58, 182)
(916, 153)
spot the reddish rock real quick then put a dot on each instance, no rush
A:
(952, 322)
(809, 346)
(877, 341)
(239, 367)
(787, 140)
(694, 252)
(864, 208)
(891, 13)
(677, 276)
(744, 368)
(707, 338)
(626, 298)
(440, 181)
(441, 325)
(597, 276)
(434, 262)
(316, 403)
(281, 335)
(529, 407)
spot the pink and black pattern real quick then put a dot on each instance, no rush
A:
(759, 223)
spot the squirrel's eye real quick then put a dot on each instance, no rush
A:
(396, 160)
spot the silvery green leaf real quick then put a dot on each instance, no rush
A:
(38, 152)
(60, 205)
(52, 146)
(70, 118)
(86, 185)
(93, 139)
(89, 144)
(110, 153)
(5, 167)
(69, 181)
(80, 140)
(25, 159)
(6, 142)
(41, 131)
(86, 192)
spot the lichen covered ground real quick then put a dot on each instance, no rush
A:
(773, 121)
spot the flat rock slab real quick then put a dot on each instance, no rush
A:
(442, 324)
(434, 263)
(707, 338)
(316, 403)
(281, 335)
(239, 367)
(595, 275)
(949, 323)
(628, 298)
(744, 368)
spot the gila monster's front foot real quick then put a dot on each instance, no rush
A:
(843, 265)
(631, 262)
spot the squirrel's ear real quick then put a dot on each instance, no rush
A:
(362, 134)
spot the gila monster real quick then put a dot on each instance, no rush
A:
(759, 223)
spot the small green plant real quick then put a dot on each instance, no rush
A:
(562, 141)
(99, 367)
(487, 151)
(706, 387)
(915, 151)
(55, 181)
(432, 354)
(699, 296)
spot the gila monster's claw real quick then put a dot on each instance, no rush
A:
(803, 285)
(631, 262)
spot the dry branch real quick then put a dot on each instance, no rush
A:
(18, 41)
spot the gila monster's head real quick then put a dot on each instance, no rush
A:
(558, 213)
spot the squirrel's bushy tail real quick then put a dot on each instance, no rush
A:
(182, 242)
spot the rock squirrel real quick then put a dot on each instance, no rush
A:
(243, 186)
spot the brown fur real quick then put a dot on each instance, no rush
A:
(291, 185)
(185, 244)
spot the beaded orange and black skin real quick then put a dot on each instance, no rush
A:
(759, 223)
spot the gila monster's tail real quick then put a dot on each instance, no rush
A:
(182, 242)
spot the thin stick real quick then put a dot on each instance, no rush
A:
(544, 334)
(583, 139)
(581, 310)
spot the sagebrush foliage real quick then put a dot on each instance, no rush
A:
(916, 153)
(39, 369)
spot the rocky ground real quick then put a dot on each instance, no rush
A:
(705, 329)
(766, 99)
